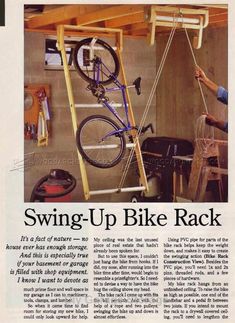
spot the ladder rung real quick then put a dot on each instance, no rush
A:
(107, 146)
(117, 190)
(95, 47)
(96, 105)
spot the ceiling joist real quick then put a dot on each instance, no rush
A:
(132, 19)
(60, 14)
(109, 13)
(127, 20)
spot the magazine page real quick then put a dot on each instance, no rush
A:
(117, 179)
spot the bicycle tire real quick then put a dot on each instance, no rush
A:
(88, 138)
(109, 57)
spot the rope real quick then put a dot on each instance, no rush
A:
(152, 92)
(204, 134)
(195, 62)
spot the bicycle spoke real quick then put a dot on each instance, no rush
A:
(97, 147)
(87, 71)
(105, 58)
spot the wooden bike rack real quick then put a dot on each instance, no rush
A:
(165, 16)
(95, 31)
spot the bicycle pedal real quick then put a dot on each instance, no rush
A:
(131, 139)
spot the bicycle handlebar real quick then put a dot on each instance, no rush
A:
(146, 128)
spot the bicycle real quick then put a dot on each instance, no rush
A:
(100, 140)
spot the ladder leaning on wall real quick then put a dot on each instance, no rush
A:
(117, 33)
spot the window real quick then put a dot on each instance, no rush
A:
(53, 58)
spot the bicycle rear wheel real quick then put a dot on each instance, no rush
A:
(95, 149)
(85, 61)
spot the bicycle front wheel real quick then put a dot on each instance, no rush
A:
(96, 143)
(85, 59)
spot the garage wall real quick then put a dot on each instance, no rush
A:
(178, 100)
(139, 60)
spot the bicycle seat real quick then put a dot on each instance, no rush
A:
(136, 83)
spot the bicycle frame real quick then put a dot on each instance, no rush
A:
(98, 64)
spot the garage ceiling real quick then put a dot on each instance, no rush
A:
(132, 19)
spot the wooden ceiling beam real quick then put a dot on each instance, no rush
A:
(216, 11)
(126, 20)
(140, 32)
(60, 14)
(217, 18)
(137, 29)
(131, 18)
(109, 13)
(54, 16)
(139, 26)
(216, 6)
